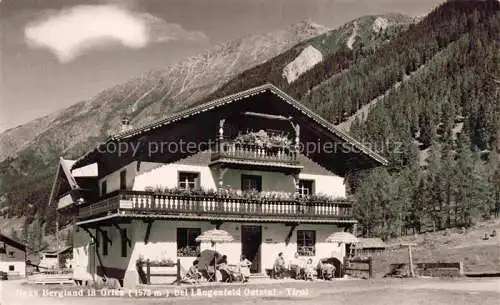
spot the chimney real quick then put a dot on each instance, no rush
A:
(125, 124)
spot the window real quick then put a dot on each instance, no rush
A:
(189, 181)
(306, 188)
(306, 242)
(104, 188)
(123, 180)
(104, 239)
(11, 253)
(124, 242)
(186, 241)
(251, 182)
(11, 268)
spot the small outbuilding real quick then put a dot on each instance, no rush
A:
(55, 259)
(12, 257)
(370, 246)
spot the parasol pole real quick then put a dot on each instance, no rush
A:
(215, 262)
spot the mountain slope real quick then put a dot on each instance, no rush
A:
(165, 90)
(30, 152)
(33, 149)
(437, 93)
(335, 49)
(455, 51)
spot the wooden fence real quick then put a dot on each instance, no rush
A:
(146, 276)
(356, 266)
(437, 269)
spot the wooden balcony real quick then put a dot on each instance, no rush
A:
(231, 152)
(216, 207)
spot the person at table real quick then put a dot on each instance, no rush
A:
(245, 268)
(279, 266)
(326, 270)
(297, 264)
(193, 273)
(309, 270)
(223, 268)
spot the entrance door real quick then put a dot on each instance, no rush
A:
(251, 239)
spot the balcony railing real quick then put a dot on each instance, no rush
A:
(232, 151)
(217, 206)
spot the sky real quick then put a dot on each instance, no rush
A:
(55, 53)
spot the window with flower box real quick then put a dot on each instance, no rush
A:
(187, 246)
(189, 180)
(306, 188)
(306, 242)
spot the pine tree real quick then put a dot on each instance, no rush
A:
(373, 205)
(69, 238)
(469, 187)
(13, 234)
(35, 235)
(433, 193)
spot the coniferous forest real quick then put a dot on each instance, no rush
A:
(436, 118)
(432, 94)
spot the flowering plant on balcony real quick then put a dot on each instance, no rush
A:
(320, 197)
(306, 250)
(262, 139)
(188, 251)
(155, 262)
(274, 195)
(247, 194)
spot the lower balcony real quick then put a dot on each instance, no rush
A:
(218, 207)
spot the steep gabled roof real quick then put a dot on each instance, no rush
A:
(14, 243)
(64, 168)
(228, 100)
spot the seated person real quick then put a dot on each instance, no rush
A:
(297, 264)
(309, 270)
(326, 270)
(223, 268)
(279, 266)
(245, 268)
(193, 273)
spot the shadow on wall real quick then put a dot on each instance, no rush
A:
(96, 265)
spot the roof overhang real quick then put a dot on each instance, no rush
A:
(128, 217)
(66, 176)
(14, 243)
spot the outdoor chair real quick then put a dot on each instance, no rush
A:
(226, 275)
(278, 273)
(192, 278)
(330, 273)
(209, 273)
(293, 273)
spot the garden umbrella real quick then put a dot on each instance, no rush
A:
(342, 237)
(215, 236)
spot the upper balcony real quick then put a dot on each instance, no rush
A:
(261, 148)
(254, 154)
(205, 205)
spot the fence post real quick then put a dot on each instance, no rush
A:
(178, 271)
(148, 272)
(343, 269)
(370, 267)
(461, 268)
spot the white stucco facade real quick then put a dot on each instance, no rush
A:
(150, 174)
(14, 269)
(162, 244)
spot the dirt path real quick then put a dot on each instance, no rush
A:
(380, 291)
